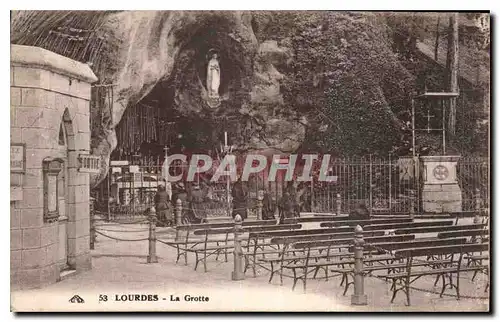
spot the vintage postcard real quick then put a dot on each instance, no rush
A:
(320, 161)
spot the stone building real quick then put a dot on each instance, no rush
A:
(50, 146)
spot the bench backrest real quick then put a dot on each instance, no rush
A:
(417, 244)
(434, 229)
(442, 250)
(464, 233)
(408, 225)
(365, 222)
(316, 218)
(347, 241)
(299, 238)
(228, 230)
(303, 232)
(226, 224)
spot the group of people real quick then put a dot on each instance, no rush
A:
(288, 206)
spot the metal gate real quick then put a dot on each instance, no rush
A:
(383, 185)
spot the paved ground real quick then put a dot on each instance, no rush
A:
(120, 268)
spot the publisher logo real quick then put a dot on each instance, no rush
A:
(76, 299)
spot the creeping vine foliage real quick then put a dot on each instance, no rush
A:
(345, 76)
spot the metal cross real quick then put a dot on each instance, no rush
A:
(429, 116)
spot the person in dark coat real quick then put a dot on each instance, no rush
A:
(162, 205)
(267, 207)
(293, 200)
(361, 212)
(240, 195)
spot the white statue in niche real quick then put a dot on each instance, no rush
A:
(213, 79)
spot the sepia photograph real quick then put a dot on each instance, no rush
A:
(250, 161)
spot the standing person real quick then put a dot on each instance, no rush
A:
(267, 207)
(162, 203)
(293, 199)
(240, 195)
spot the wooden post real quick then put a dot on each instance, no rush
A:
(338, 204)
(178, 212)
(237, 273)
(359, 297)
(152, 236)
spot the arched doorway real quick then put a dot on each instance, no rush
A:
(64, 181)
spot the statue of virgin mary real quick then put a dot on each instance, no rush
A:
(213, 75)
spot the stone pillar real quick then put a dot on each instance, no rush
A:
(178, 212)
(49, 94)
(237, 273)
(338, 202)
(260, 198)
(441, 192)
(359, 296)
(152, 237)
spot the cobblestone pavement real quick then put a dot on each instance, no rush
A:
(120, 268)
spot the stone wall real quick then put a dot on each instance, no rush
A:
(48, 90)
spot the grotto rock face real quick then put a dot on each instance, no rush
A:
(171, 47)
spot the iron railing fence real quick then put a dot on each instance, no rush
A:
(384, 185)
(473, 175)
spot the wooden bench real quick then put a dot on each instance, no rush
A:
(401, 281)
(437, 229)
(206, 248)
(364, 222)
(407, 225)
(324, 260)
(390, 263)
(261, 240)
(183, 243)
(282, 242)
(475, 235)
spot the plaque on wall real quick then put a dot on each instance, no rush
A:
(17, 157)
(51, 169)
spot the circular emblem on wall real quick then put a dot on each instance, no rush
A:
(440, 172)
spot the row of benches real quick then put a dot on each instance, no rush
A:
(308, 250)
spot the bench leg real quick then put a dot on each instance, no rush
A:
(281, 275)
(294, 279)
(316, 272)
(394, 290)
(246, 264)
(205, 261)
(217, 256)
(178, 254)
(444, 284)
(458, 286)
(197, 261)
(436, 281)
(272, 272)
(407, 291)
(346, 287)
(305, 279)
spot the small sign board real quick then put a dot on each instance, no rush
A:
(18, 157)
(119, 163)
